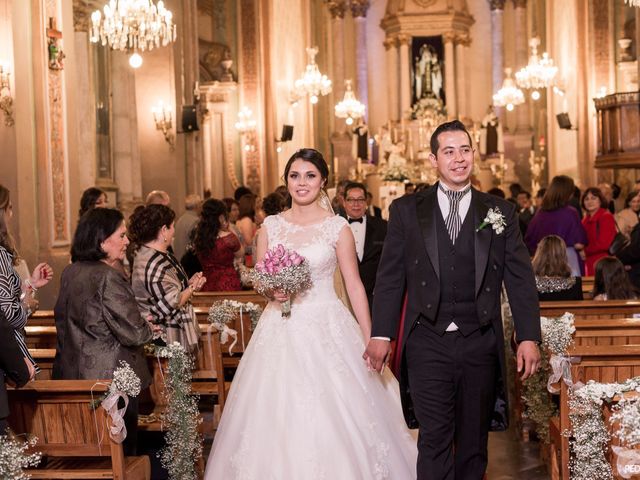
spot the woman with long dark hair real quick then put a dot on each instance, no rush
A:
(554, 280)
(161, 286)
(217, 248)
(92, 197)
(611, 281)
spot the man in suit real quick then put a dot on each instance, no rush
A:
(369, 233)
(372, 210)
(452, 264)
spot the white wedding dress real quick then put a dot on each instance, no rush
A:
(303, 405)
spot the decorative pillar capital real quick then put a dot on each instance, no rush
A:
(390, 42)
(463, 39)
(337, 8)
(404, 39)
(82, 10)
(449, 37)
(359, 8)
(496, 4)
(519, 3)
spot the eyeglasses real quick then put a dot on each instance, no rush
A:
(353, 201)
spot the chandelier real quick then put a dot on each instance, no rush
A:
(509, 95)
(349, 108)
(539, 73)
(633, 3)
(133, 25)
(312, 83)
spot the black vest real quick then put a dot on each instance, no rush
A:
(457, 278)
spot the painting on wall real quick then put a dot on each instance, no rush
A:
(427, 70)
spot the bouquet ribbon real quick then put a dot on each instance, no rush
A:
(627, 462)
(225, 333)
(561, 369)
(118, 431)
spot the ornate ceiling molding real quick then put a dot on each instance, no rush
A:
(359, 8)
(497, 4)
(337, 8)
(425, 3)
(82, 10)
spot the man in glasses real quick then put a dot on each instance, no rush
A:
(369, 233)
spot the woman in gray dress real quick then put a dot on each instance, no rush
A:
(97, 317)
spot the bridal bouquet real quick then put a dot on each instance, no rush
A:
(282, 270)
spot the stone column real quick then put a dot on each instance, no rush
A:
(462, 42)
(405, 82)
(390, 45)
(522, 58)
(449, 75)
(497, 46)
(359, 12)
(337, 10)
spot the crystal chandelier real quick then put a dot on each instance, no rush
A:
(349, 108)
(633, 3)
(539, 73)
(312, 83)
(133, 25)
(509, 95)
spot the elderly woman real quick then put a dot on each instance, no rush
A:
(17, 299)
(96, 315)
(160, 284)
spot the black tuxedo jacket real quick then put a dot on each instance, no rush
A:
(410, 263)
(374, 236)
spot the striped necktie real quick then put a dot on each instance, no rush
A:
(453, 220)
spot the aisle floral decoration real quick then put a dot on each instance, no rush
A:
(625, 419)
(395, 173)
(556, 339)
(183, 441)
(125, 384)
(14, 457)
(224, 312)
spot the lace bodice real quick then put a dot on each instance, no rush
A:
(317, 243)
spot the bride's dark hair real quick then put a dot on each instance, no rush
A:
(308, 155)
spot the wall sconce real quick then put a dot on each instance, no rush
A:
(162, 118)
(6, 100)
(246, 125)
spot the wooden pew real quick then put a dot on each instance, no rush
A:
(592, 308)
(72, 435)
(241, 325)
(602, 363)
(206, 299)
(41, 318)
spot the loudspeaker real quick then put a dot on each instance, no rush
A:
(189, 119)
(563, 121)
(287, 133)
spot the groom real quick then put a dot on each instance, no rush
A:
(452, 264)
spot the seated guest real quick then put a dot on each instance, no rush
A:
(600, 226)
(630, 256)
(627, 218)
(557, 217)
(158, 197)
(611, 282)
(217, 248)
(17, 297)
(97, 318)
(185, 225)
(372, 210)
(92, 198)
(161, 286)
(496, 192)
(553, 272)
(14, 368)
(369, 233)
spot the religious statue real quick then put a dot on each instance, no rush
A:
(427, 74)
(491, 140)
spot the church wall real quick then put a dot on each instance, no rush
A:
(478, 59)
(377, 67)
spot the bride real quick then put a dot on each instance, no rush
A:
(303, 403)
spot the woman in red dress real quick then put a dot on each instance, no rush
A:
(217, 248)
(600, 227)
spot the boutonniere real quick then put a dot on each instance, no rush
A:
(496, 219)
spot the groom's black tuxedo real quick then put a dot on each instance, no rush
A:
(445, 283)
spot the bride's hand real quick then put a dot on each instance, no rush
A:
(280, 296)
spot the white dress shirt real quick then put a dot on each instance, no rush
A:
(359, 230)
(463, 209)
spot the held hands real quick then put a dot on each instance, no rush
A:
(197, 281)
(377, 354)
(528, 358)
(41, 275)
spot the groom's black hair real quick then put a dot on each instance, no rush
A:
(455, 125)
(308, 155)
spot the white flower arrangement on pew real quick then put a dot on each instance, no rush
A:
(557, 337)
(625, 419)
(224, 312)
(183, 441)
(590, 436)
(14, 457)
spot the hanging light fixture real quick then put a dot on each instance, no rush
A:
(312, 83)
(349, 108)
(539, 72)
(633, 3)
(133, 25)
(509, 95)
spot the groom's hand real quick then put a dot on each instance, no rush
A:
(528, 358)
(377, 353)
